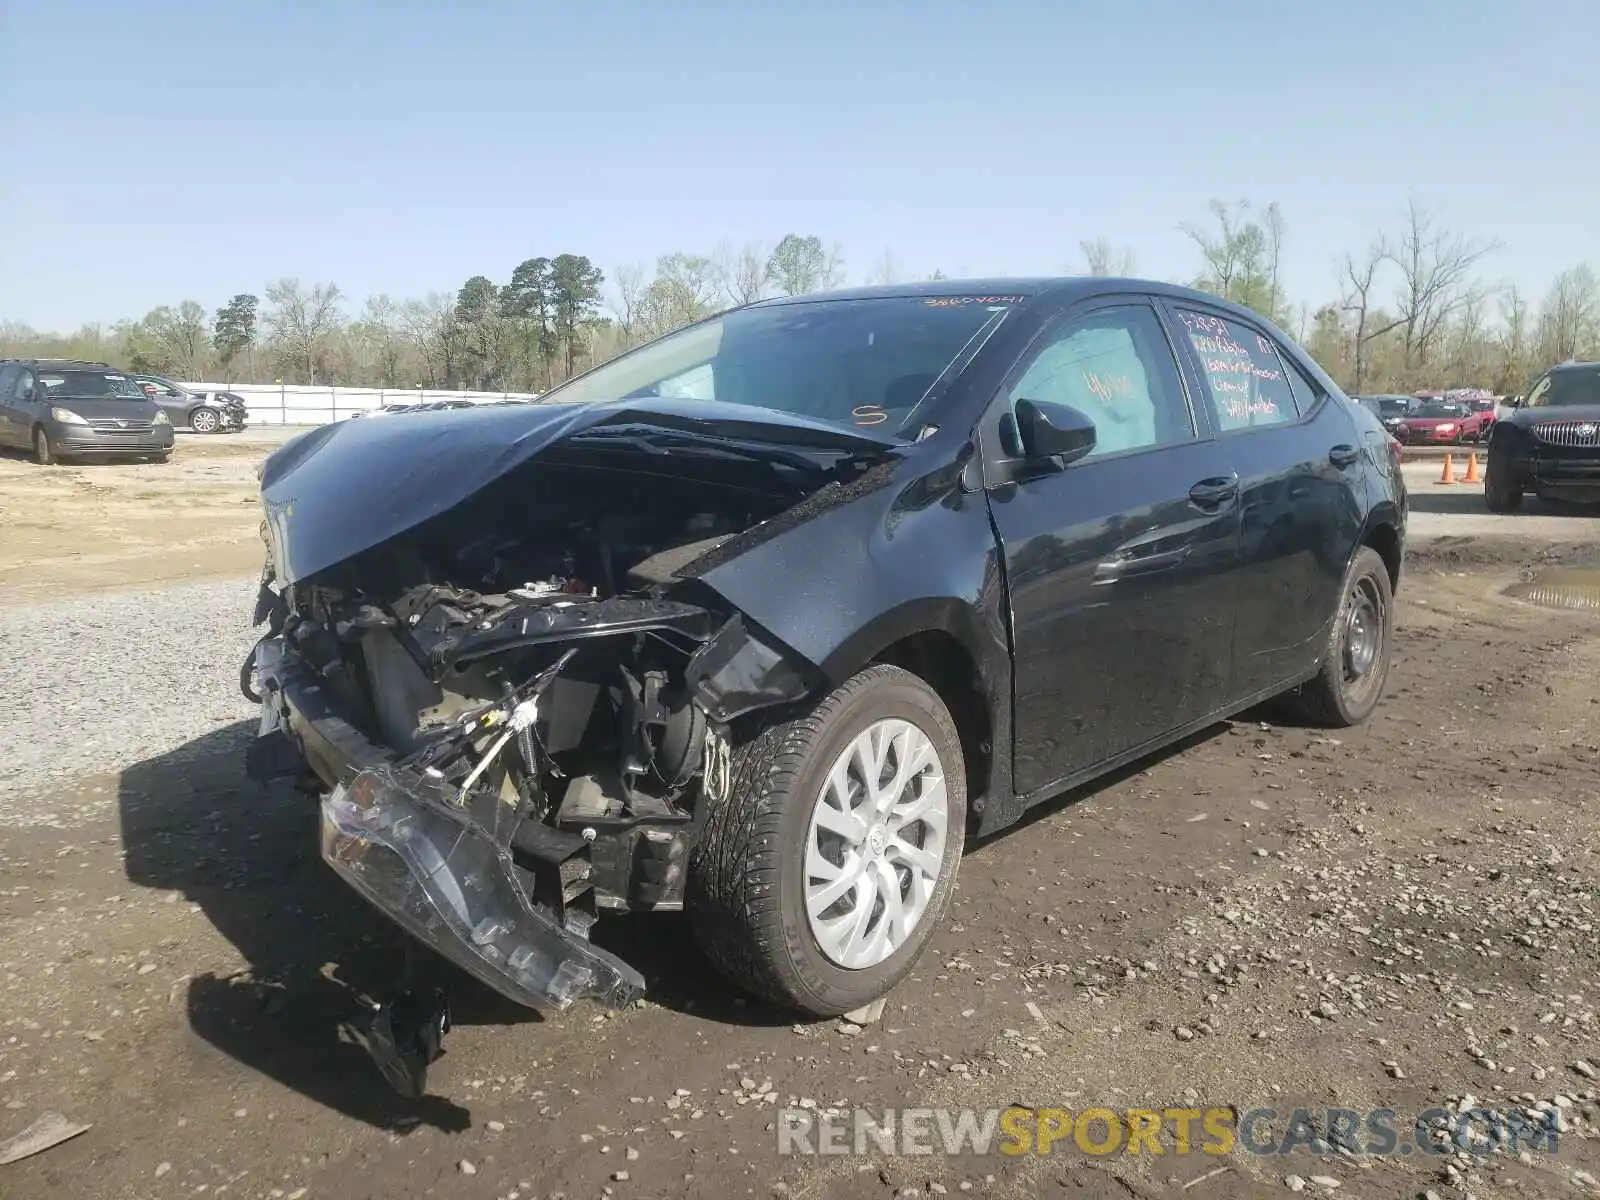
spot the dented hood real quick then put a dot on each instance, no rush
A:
(344, 488)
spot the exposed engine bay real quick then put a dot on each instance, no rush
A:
(524, 701)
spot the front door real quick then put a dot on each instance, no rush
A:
(1120, 565)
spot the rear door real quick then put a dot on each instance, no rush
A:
(1298, 456)
(1119, 566)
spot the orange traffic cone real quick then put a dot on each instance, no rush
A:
(1448, 475)
(1472, 475)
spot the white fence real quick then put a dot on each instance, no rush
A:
(298, 404)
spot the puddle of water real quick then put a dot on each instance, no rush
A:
(1560, 587)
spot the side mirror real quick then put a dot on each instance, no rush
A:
(1057, 431)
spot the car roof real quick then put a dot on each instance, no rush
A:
(1064, 288)
(61, 364)
(1563, 368)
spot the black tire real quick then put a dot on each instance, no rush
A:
(205, 420)
(44, 447)
(1332, 698)
(745, 891)
(1499, 498)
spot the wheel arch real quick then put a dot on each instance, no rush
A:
(937, 640)
(1382, 533)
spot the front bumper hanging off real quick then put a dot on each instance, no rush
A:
(511, 908)
(437, 871)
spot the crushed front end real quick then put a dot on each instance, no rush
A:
(499, 765)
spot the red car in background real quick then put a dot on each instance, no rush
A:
(1441, 423)
(1480, 415)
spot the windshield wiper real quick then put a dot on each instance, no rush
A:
(662, 441)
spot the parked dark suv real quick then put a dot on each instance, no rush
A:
(761, 619)
(62, 408)
(1549, 443)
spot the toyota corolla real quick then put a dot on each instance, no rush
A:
(761, 620)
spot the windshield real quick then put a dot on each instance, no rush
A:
(857, 363)
(1568, 388)
(1440, 410)
(84, 385)
(1394, 408)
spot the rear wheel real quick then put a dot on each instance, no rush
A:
(1355, 664)
(204, 420)
(44, 447)
(827, 866)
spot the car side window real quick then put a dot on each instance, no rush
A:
(1249, 389)
(22, 389)
(1306, 391)
(1116, 367)
(8, 377)
(1536, 397)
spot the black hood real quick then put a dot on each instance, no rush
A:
(1580, 413)
(344, 488)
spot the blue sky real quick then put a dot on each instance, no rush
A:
(170, 149)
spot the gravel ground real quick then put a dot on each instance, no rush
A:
(1397, 916)
(94, 683)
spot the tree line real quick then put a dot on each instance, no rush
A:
(1416, 308)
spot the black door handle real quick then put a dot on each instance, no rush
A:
(1343, 456)
(1214, 492)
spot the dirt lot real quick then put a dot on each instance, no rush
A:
(1398, 916)
(113, 525)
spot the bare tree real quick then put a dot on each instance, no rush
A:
(1436, 268)
(1272, 223)
(426, 325)
(303, 319)
(1513, 342)
(741, 272)
(683, 291)
(1569, 318)
(886, 269)
(1101, 258)
(1358, 279)
(1239, 258)
(627, 300)
(183, 337)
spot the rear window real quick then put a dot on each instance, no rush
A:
(1568, 389)
(100, 385)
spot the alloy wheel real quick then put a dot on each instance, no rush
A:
(875, 844)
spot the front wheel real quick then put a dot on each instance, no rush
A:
(1498, 498)
(827, 864)
(44, 447)
(204, 420)
(1355, 663)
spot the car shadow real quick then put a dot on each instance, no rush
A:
(315, 954)
(1468, 498)
(247, 856)
(1111, 779)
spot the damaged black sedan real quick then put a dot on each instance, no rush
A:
(760, 620)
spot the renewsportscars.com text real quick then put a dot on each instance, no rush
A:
(1266, 1132)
